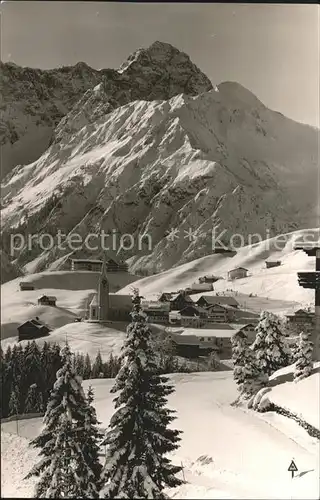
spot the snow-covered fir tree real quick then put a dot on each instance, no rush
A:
(97, 367)
(246, 372)
(14, 404)
(270, 346)
(63, 469)
(91, 438)
(138, 438)
(34, 401)
(303, 356)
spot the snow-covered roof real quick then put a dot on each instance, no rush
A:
(219, 299)
(203, 332)
(238, 269)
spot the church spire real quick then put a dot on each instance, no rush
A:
(103, 292)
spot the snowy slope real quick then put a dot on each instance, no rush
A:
(279, 283)
(219, 158)
(226, 452)
(72, 289)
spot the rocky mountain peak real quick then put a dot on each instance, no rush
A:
(35, 100)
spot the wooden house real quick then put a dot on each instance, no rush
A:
(156, 311)
(179, 301)
(209, 279)
(237, 273)
(25, 285)
(32, 329)
(47, 300)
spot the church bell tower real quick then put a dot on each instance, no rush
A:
(103, 293)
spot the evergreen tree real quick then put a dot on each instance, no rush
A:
(14, 402)
(138, 438)
(34, 401)
(79, 364)
(246, 372)
(91, 438)
(213, 360)
(7, 356)
(270, 346)
(63, 470)
(304, 363)
(97, 367)
(87, 367)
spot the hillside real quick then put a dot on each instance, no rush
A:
(72, 289)
(279, 285)
(187, 158)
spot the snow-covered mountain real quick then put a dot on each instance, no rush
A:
(34, 100)
(154, 147)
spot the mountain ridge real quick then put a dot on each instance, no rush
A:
(217, 158)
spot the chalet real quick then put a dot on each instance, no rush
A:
(209, 279)
(220, 337)
(157, 312)
(25, 285)
(209, 300)
(94, 265)
(32, 329)
(180, 301)
(219, 313)
(47, 300)
(300, 320)
(237, 273)
(273, 263)
(189, 346)
(193, 315)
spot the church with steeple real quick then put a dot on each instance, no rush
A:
(105, 306)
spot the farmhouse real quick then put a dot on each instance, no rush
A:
(219, 313)
(189, 346)
(179, 301)
(237, 273)
(47, 300)
(25, 285)
(220, 338)
(32, 329)
(209, 300)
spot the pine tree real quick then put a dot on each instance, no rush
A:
(91, 438)
(7, 356)
(304, 363)
(14, 402)
(213, 360)
(34, 401)
(270, 347)
(246, 372)
(97, 367)
(87, 367)
(63, 470)
(138, 438)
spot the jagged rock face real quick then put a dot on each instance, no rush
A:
(218, 159)
(34, 101)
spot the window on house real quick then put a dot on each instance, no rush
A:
(201, 339)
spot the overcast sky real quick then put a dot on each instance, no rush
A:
(273, 50)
